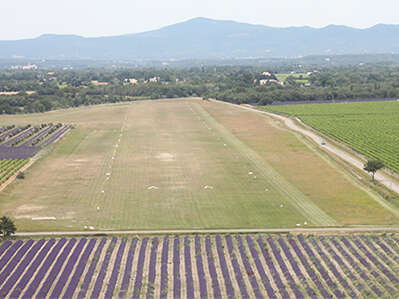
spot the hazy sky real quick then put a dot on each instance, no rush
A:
(31, 18)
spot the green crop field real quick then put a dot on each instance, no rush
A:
(299, 77)
(371, 128)
(181, 164)
(9, 167)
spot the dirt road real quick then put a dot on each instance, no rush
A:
(214, 231)
(350, 158)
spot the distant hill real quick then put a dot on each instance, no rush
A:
(202, 38)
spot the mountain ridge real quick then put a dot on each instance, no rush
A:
(204, 38)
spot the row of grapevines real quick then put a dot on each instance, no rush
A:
(9, 167)
(370, 128)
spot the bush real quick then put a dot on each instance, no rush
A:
(20, 175)
(7, 227)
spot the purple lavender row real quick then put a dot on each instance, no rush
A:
(379, 265)
(43, 292)
(176, 268)
(19, 267)
(295, 267)
(9, 253)
(18, 138)
(128, 269)
(79, 270)
(272, 269)
(309, 269)
(225, 270)
(340, 262)
(9, 132)
(330, 101)
(200, 268)
(152, 271)
(62, 280)
(331, 284)
(380, 279)
(382, 254)
(55, 136)
(115, 271)
(3, 129)
(139, 273)
(164, 268)
(31, 270)
(248, 268)
(264, 278)
(236, 267)
(17, 152)
(88, 277)
(386, 249)
(43, 269)
(14, 261)
(355, 266)
(391, 242)
(332, 268)
(38, 136)
(103, 270)
(212, 269)
(284, 268)
(4, 246)
(189, 272)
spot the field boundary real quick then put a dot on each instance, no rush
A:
(299, 200)
(30, 163)
(213, 231)
(342, 146)
(350, 158)
(14, 176)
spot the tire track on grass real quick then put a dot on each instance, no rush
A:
(299, 200)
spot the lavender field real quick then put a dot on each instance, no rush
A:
(19, 144)
(25, 142)
(216, 266)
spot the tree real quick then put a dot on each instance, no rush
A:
(7, 227)
(373, 166)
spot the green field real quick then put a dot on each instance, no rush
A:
(8, 167)
(176, 164)
(371, 128)
(299, 77)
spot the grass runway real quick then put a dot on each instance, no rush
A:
(181, 164)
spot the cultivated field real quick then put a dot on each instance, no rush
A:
(216, 266)
(181, 164)
(371, 128)
(299, 77)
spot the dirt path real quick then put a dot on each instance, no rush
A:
(214, 231)
(29, 164)
(14, 176)
(350, 158)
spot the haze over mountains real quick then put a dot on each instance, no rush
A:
(202, 38)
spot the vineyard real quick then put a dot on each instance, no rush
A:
(19, 144)
(9, 167)
(216, 266)
(371, 128)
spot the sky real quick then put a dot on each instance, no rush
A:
(28, 19)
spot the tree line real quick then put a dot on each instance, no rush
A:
(44, 90)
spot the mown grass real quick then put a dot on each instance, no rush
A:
(176, 147)
(326, 184)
